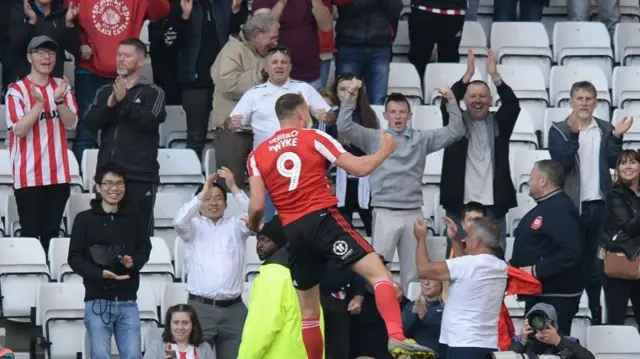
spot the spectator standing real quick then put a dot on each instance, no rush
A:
(476, 168)
(182, 336)
(109, 245)
(364, 34)
(422, 318)
(198, 47)
(395, 185)
(587, 147)
(163, 52)
(327, 48)
(128, 114)
(39, 109)
(43, 17)
(435, 22)
(620, 234)
(470, 211)
(530, 10)
(103, 25)
(548, 244)
(257, 106)
(214, 258)
(299, 24)
(608, 12)
(239, 66)
(477, 282)
(273, 326)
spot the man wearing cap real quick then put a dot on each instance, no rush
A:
(273, 326)
(548, 340)
(39, 110)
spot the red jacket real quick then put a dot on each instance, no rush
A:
(327, 38)
(518, 282)
(104, 23)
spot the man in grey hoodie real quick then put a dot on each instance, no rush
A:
(396, 185)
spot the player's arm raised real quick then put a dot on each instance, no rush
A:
(365, 165)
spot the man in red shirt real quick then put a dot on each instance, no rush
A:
(291, 166)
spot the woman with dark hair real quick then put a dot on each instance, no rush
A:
(182, 337)
(621, 234)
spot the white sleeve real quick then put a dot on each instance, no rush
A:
(243, 107)
(459, 267)
(316, 101)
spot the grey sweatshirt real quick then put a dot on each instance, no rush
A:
(396, 183)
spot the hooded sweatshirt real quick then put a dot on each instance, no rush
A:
(124, 228)
(105, 23)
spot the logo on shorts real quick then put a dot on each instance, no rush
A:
(111, 17)
(340, 248)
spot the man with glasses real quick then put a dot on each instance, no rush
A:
(257, 106)
(39, 110)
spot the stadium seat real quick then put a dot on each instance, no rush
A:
(522, 43)
(234, 209)
(209, 162)
(613, 342)
(522, 164)
(394, 267)
(146, 71)
(74, 171)
(563, 77)
(429, 193)
(158, 270)
(246, 293)
(178, 260)
(438, 213)
(148, 303)
(23, 266)
(631, 139)
(57, 256)
(180, 172)
(443, 74)
(6, 177)
(414, 291)
(60, 313)
(552, 115)
(527, 82)
(172, 294)
(379, 110)
(578, 43)
(626, 87)
(401, 43)
(251, 261)
(426, 118)
(474, 38)
(629, 10)
(626, 40)
(144, 33)
(165, 209)
(78, 202)
(516, 308)
(70, 72)
(525, 204)
(433, 168)
(89, 163)
(524, 134)
(509, 250)
(404, 78)
(3, 124)
(173, 131)
(11, 218)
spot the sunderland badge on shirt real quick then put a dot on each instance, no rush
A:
(537, 223)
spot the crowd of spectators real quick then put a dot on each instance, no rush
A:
(227, 68)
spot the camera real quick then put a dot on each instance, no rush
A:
(514, 355)
(538, 320)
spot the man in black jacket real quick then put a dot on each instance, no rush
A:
(128, 115)
(109, 245)
(548, 244)
(476, 168)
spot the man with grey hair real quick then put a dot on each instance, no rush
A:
(477, 282)
(240, 65)
(548, 244)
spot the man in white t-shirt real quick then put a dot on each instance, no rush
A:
(477, 282)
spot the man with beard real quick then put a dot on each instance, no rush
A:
(128, 114)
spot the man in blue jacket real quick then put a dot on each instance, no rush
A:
(548, 244)
(587, 147)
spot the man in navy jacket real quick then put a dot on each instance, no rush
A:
(548, 244)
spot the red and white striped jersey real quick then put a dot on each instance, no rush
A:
(292, 164)
(40, 158)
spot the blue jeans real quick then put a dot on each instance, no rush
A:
(325, 68)
(472, 10)
(505, 10)
(608, 10)
(87, 85)
(591, 221)
(371, 63)
(502, 222)
(120, 319)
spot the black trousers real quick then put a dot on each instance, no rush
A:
(351, 206)
(143, 194)
(40, 211)
(617, 293)
(336, 324)
(566, 308)
(197, 104)
(427, 29)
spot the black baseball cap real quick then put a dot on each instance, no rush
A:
(42, 41)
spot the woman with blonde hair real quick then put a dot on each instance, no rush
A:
(422, 318)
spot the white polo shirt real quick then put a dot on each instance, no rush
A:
(589, 155)
(258, 106)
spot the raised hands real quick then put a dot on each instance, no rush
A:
(492, 65)
(72, 12)
(471, 67)
(452, 228)
(447, 94)
(387, 142)
(85, 52)
(229, 179)
(37, 95)
(352, 89)
(420, 228)
(623, 126)
(30, 13)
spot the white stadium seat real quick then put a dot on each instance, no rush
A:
(180, 172)
(414, 291)
(524, 135)
(4, 135)
(74, 172)
(631, 139)
(158, 270)
(629, 10)
(443, 74)
(401, 43)
(527, 82)
(522, 43)
(6, 177)
(379, 110)
(426, 118)
(172, 294)
(626, 87)
(148, 303)
(209, 162)
(613, 342)
(509, 251)
(57, 256)
(626, 40)
(60, 312)
(433, 168)
(404, 78)
(178, 259)
(522, 164)
(23, 266)
(78, 202)
(474, 39)
(89, 163)
(552, 115)
(525, 204)
(173, 131)
(251, 261)
(578, 43)
(563, 77)
(234, 209)
(165, 208)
